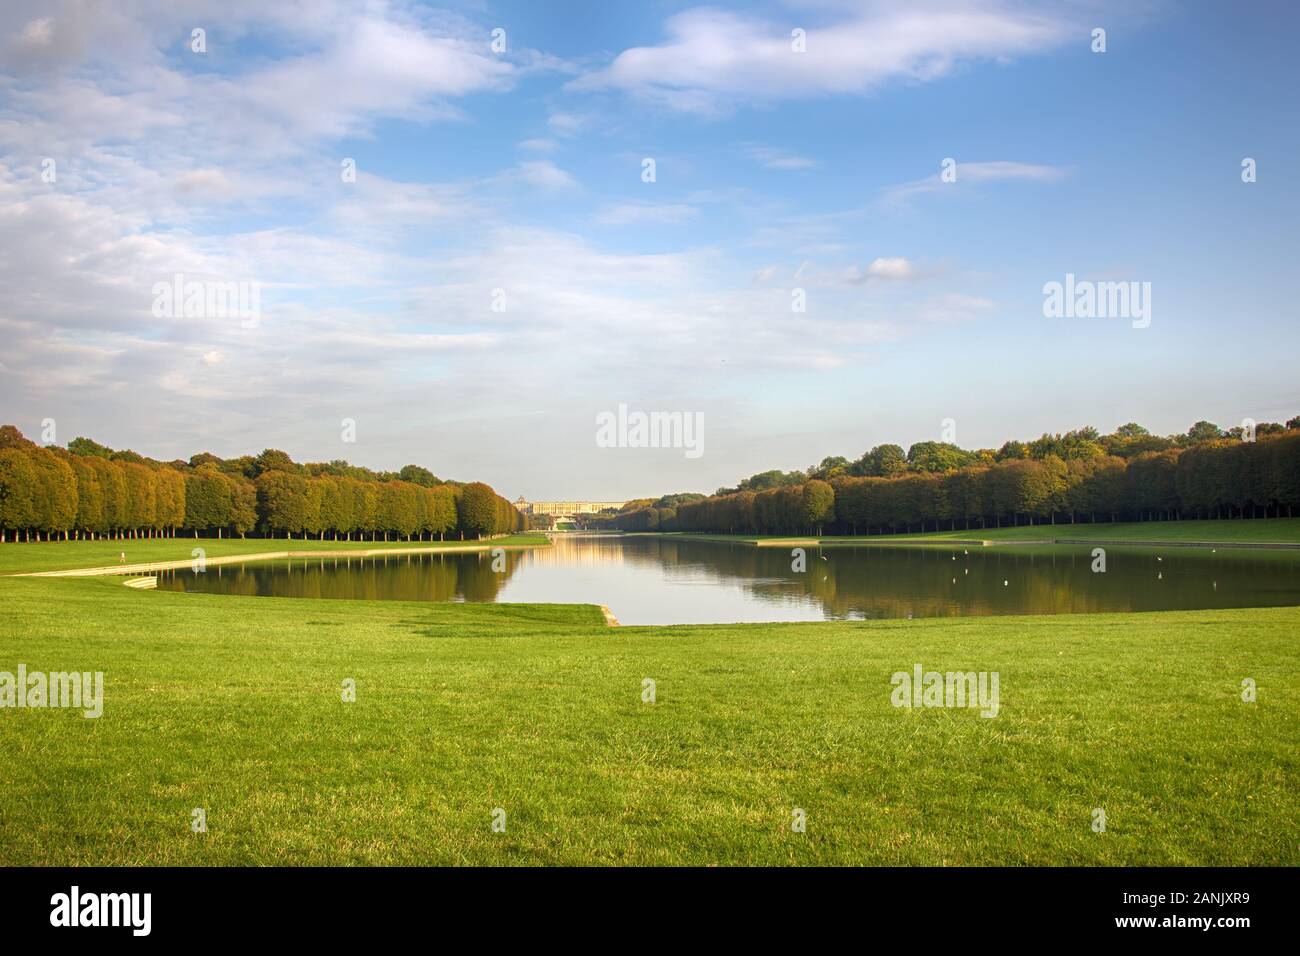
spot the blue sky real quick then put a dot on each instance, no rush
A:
(521, 171)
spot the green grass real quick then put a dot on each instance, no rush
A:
(1257, 531)
(233, 704)
(17, 557)
(1249, 531)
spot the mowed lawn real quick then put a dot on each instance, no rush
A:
(1245, 531)
(234, 705)
(18, 557)
(1241, 531)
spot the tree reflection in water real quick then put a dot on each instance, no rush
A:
(664, 580)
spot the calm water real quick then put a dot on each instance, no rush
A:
(647, 580)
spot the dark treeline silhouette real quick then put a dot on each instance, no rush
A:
(89, 491)
(1129, 475)
(643, 514)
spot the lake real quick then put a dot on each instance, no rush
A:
(671, 580)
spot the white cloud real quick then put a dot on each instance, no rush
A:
(967, 173)
(771, 158)
(349, 67)
(891, 268)
(714, 59)
(895, 268)
(377, 68)
(539, 145)
(566, 124)
(380, 204)
(544, 174)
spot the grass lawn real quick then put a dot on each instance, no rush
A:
(1248, 531)
(64, 555)
(233, 704)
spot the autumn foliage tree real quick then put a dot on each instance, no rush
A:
(90, 490)
(1072, 478)
(477, 509)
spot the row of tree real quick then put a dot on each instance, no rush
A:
(643, 514)
(889, 461)
(89, 490)
(1223, 477)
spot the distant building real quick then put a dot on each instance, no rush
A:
(566, 508)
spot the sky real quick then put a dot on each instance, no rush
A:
(502, 269)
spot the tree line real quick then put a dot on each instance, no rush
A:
(88, 490)
(1080, 476)
(643, 514)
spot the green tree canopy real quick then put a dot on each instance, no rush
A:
(418, 476)
(477, 509)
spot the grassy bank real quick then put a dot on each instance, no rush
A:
(233, 705)
(61, 555)
(1258, 531)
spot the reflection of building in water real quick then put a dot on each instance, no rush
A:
(566, 508)
(582, 550)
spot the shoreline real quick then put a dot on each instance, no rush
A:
(900, 541)
(145, 567)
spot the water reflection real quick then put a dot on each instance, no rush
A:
(650, 580)
(412, 577)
